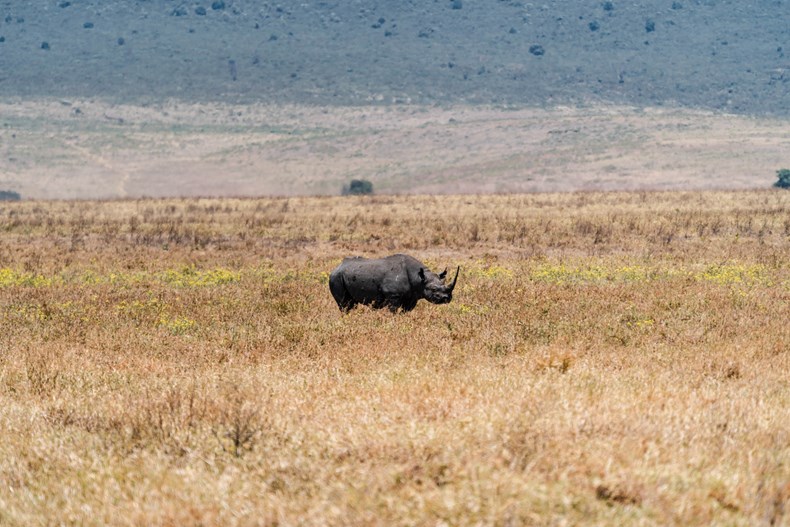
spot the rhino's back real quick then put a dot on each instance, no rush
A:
(374, 276)
(358, 266)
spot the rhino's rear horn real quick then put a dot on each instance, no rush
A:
(458, 270)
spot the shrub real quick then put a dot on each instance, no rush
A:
(537, 50)
(9, 195)
(783, 178)
(358, 187)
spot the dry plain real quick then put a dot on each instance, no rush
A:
(86, 149)
(609, 359)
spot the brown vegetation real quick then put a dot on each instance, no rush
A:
(608, 358)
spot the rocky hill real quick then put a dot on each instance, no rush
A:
(712, 54)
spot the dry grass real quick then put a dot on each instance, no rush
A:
(613, 358)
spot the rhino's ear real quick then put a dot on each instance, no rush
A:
(443, 274)
(421, 274)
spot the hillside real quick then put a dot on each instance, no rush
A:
(722, 55)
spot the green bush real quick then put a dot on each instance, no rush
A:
(9, 195)
(783, 180)
(358, 187)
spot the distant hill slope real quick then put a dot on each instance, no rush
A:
(713, 54)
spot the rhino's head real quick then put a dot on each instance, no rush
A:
(435, 290)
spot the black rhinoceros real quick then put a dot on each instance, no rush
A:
(395, 282)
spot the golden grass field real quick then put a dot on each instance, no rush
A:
(608, 359)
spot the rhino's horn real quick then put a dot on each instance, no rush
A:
(452, 286)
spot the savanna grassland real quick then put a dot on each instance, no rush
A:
(608, 359)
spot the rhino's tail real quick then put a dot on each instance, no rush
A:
(339, 291)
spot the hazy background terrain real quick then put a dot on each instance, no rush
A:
(86, 149)
(90, 91)
(713, 54)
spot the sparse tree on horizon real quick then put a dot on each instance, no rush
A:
(783, 178)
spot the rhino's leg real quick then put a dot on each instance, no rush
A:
(405, 303)
(344, 300)
(408, 304)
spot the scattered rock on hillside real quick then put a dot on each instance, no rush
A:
(431, 38)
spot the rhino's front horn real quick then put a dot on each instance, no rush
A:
(452, 286)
